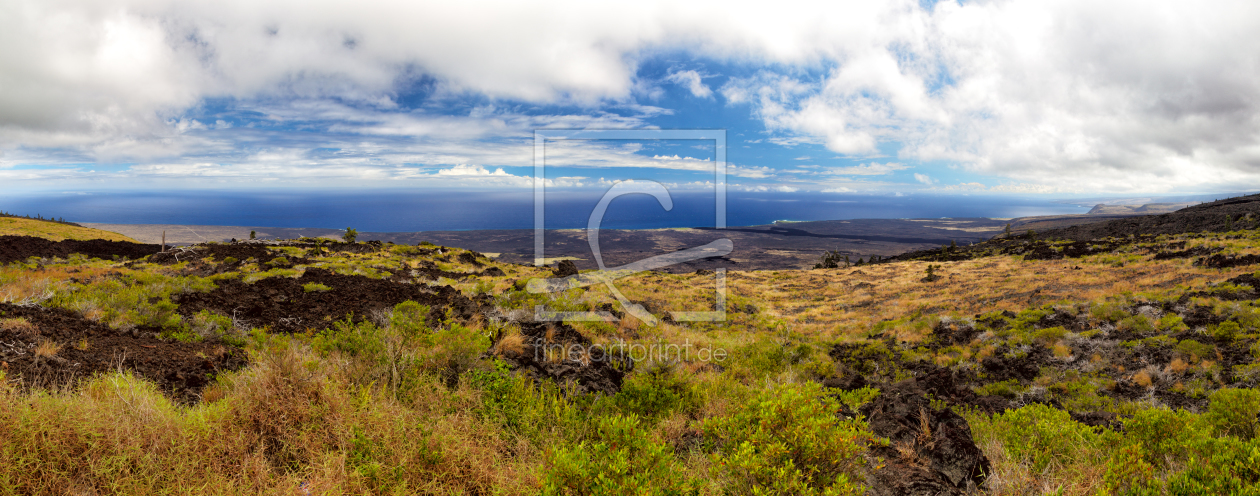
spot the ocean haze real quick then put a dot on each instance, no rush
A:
(431, 210)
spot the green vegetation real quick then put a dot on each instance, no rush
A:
(1136, 376)
(315, 287)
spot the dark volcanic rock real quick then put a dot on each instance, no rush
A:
(953, 333)
(1219, 261)
(88, 348)
(470, 258)
(15, 248)
(566, 268)
(559, 352)
(1004, 365)
(283, 303)
(1198, 251)
(1104, 419)
(930, 452)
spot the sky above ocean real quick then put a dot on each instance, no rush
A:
(845, 98)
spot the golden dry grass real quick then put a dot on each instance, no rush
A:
(47, 348)
(11, 226)
(512, 344)
(18, 325)
(287, 425)
(833, 303)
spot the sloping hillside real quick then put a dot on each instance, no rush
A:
(1016, 366)
(1222, 215)
(54, 231)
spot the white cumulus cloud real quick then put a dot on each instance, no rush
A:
(692, 81)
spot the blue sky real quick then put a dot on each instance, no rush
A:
(999, 97)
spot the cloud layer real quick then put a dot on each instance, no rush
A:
(1054, 96)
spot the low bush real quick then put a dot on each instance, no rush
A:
(1225, 331)
(1046, 437)
(1138, 324)
(1172, 323)
(1195, 350)
(1009, 388)
(623, 458)
(1049, 335)
(788, 440)
(314, 287)
(656, 393)
(1162, 434)
(1235, 412)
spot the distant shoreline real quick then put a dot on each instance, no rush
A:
(781, 245)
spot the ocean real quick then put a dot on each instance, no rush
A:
(446, 210)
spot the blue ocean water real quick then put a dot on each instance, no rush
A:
(430, 210)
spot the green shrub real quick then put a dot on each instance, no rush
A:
(1194, 349)
(1027, 319)
(1111, 312)
(1161, 433)
(656, 393)
(1225, 331)
(205, 325)
(315, 287)
(788, 440)
(1129, 473)
(1233, 412)
(410, 318)
(133, 299)
(1081, 393)
(854, 399)
(350, 235)
(1172, 323)
(511, 400)
(1049, 335)
(453, 350)
(1008, 388)
(766, 357)
(1139, 324)
(1221, 466)
(361, 339)
(1043, 436)
(483, 287)
(621, 459)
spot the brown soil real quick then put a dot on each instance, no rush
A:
(282, 303)
(87, 348)
(15, 248)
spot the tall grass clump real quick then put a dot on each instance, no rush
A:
(292, 423)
